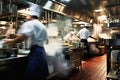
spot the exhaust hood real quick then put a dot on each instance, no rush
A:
(54, 6)
(65, 10)
(24, 3)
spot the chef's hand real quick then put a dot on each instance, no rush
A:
(17, 39)
(7, 41)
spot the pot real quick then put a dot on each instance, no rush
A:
(6, 52)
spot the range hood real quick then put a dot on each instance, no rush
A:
(65, 10)
(56, 7)
(24, 3)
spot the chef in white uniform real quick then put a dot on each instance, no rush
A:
(84, 34)
(35, 32)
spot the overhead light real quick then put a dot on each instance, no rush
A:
(102, 18)
(3, 22)
(99, 10)
(3, 27)
(91, 20)
(105, 21)
(79, 22)
(66, 0)
(23, 12)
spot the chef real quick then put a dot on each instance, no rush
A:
(35, 32)
(71, 37)
(84, 34)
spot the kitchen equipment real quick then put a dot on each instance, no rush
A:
(4, 53)
(114, 43)
(7, 52)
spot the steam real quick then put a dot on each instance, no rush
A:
(100, 31)
(56, 60)
(1, 43)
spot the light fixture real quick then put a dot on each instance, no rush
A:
(66, 0)
(23, 12)
(91, 20)
(99, 10)
(3, 22)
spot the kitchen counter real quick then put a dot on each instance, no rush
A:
(12, 59)
(13, 68)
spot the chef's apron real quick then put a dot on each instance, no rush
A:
(86, 44)
(37, 68)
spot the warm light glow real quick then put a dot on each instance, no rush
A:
(79, 22)
(66, 0)
(106, 21)
(91, 20)
(105, 36)
(99, 10)
(3, 27)
(3, 22)
(102, 18)
(23, 11)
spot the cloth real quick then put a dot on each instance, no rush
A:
(34, 10)
(84, 33)
(68, 37)
(85, 43)
(37, 68)
(35, 31)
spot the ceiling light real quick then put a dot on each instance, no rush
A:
(3, 22)
(66, 0)
(102, 18)
(91, 20)
(23, 11)
(99, 10)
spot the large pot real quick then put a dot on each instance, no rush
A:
(6, 52)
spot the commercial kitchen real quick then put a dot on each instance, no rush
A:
(67, 60)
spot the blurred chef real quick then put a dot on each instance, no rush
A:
(70, 37)
(83, 34)
(35, 32)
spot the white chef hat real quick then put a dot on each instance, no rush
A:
(72, 32)
(34, 10)
(82, 25)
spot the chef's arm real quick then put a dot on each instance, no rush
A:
(19, 38)
(93, 37)
(78, 37)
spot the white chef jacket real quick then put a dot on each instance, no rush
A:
(67, 37)
(35, 32)
(84, 33)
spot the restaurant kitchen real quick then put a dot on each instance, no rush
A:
(60, 17)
